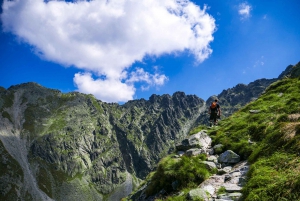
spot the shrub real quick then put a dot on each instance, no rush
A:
(283, 118)
(186, 170)
(221, 190)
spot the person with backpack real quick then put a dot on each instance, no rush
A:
(215, 112)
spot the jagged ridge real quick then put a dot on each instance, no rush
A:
(72, 135)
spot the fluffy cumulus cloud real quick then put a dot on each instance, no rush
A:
(244, 10)
(104, 38)
(150, 79)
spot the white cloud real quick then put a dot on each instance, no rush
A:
(108, 90)
(244, 10)
(151, 79)
(106, 37)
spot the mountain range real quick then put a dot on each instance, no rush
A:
(71, 146)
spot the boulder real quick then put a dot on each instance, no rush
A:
(231, 188)
(229, 157)
(194, 152)
(196, 194)
(225, 170)
(235, 196)
(212, 159)
(254, 111)
(218, 148)
(198, 140)
(180, 153)
(210, 165)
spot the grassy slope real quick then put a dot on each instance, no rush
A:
(269, 140)
(275, 131)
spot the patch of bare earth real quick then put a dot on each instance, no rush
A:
(294, 117)
(290, 130)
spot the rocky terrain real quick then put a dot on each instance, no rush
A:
(57, 146)
(230, 177)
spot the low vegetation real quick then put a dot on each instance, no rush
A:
(181, 172)
(266, 132)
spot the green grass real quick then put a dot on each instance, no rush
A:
(221, 190)
(187, 171)
(274, 155)
(275, 177)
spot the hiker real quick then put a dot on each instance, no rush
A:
(215, 112)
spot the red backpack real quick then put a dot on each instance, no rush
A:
(213, 105)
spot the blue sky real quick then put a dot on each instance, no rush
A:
(121, 50)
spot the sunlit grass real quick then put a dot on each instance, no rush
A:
(187, 171)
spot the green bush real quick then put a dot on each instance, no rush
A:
(283, 118)
(221, 190)
(188, 171)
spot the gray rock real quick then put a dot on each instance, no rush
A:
(225, 170)
(198, 140)
(218, 148)
(210, 151)
(231, 181)
(254, 111)
(180, 153)
(231, 188)
(210, 165)
(212, 159)
(194, 152)
(197, 193)
(224, 197)
(229, 157)
(235, 196)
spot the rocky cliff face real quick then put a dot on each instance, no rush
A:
(72, 146)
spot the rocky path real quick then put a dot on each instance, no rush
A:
(231, 177)
(231, 181)
(226, 185)
(15, 144)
